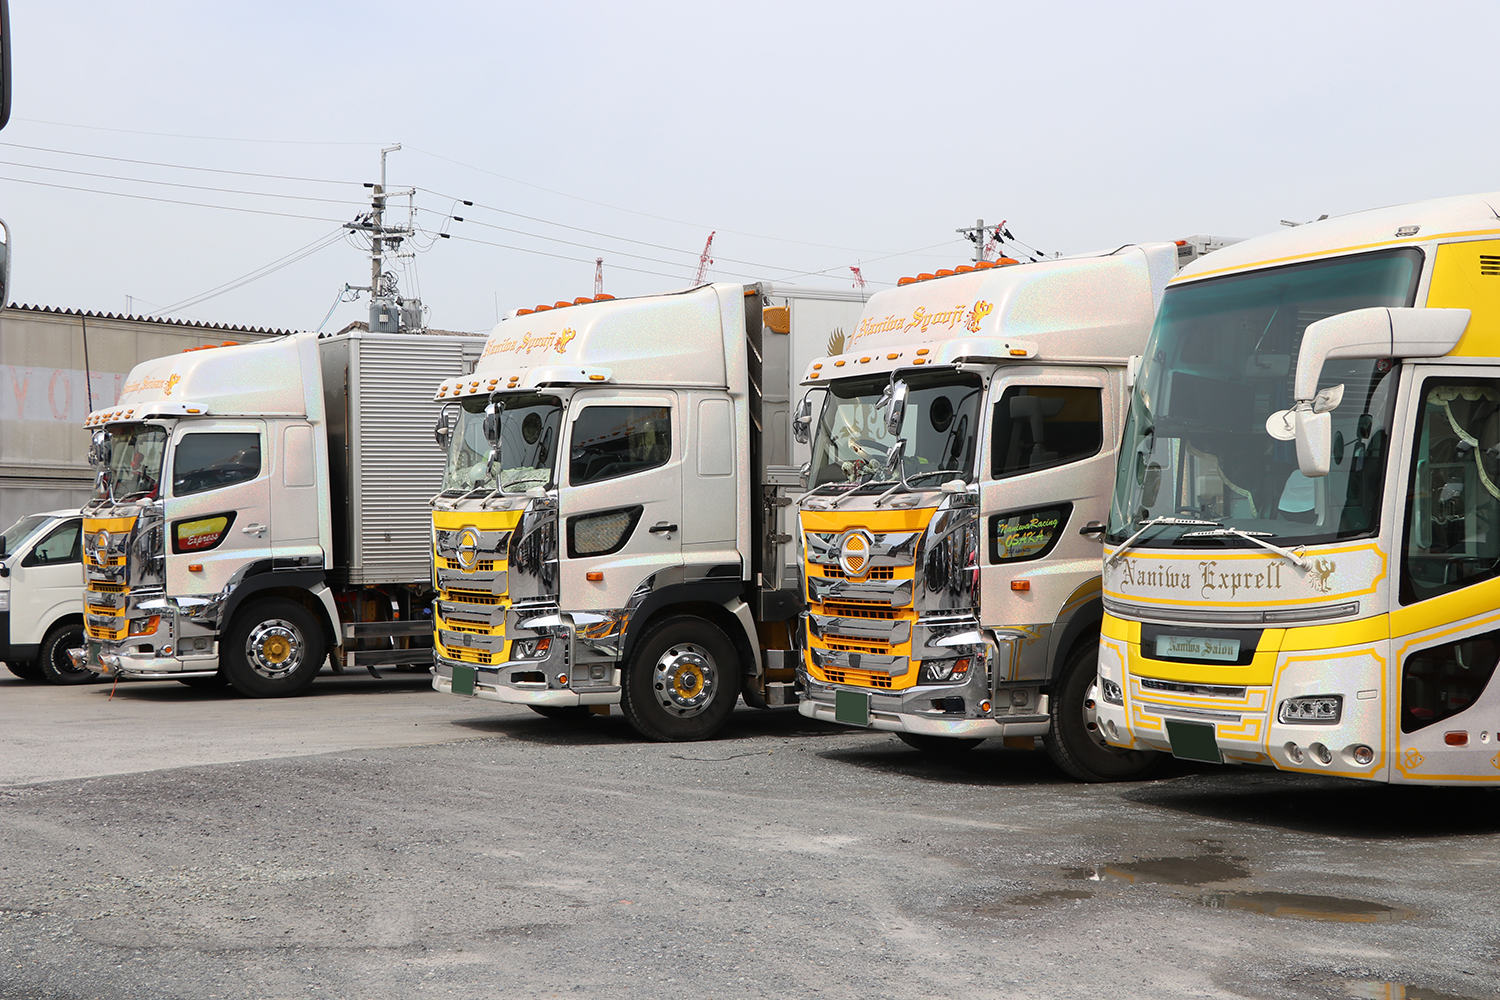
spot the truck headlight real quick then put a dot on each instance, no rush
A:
(1324, 709)
(530, 649)
(1111, 692)
(144, 626)
(944, 671)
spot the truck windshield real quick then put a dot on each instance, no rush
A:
(1221, 359)
(135, 462)
(942, 414)
(528, 445)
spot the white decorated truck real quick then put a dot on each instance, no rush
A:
(961, 466)
(262, 506)
(1303, 565)
(616, 521)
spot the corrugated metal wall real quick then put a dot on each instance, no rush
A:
(397, 468)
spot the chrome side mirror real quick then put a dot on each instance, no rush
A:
(99, 450)
(895, 412)
(492, 411)
(802, 420)
(443, 432)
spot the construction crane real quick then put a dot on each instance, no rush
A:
(859, 279)
(704, 260)
(598, 276)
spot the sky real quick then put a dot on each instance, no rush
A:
(198, 160)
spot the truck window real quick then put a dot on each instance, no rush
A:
(612, 441)
(1453, 504)
(61, 546)
(210, 460)
(1041, 426)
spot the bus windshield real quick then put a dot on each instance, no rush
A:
(1221, 359)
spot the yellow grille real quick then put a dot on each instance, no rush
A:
(845, 645)
(876, 572)
(482, 566)
(106, 561)
(94, 609)
(861, 678)
(857, 611)
(105, 634)
(461, 626)
(471, 597)
(470, 656)
(108, 588)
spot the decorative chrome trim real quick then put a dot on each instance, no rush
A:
(1172, 616)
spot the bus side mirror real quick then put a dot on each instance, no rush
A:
(1377, 332)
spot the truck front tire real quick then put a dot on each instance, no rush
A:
(682, 681)
(1069, 741)
(272, 649)
(53, 662)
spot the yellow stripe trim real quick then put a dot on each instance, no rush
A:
(878, 521)
(482, 520)
(1333, 252)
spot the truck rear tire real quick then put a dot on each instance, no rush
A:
(53, 661)
(272, 649)
(1071, 744)
(939, 746)
(682, 681)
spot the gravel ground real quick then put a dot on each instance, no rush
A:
(380, 840)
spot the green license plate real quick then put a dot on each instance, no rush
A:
(1194, 741)
(851, 707)
(463, 680)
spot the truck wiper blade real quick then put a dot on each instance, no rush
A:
(1147, 526)
(1291, 555)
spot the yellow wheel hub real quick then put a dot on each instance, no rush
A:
(276, 649)
(689, 681)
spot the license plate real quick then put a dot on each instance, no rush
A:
(463, 680)
(1197, 647)
(851, 707)
(1194, 741)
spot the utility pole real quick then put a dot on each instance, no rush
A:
(978, 235)
(389, 313)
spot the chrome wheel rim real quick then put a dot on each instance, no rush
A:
(274, 648)
(684, 679)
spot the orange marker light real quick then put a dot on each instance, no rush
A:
(905, 281)
(1020, 585)
(594, 576)
(582, 299)
(1456, 739)
(195, 567)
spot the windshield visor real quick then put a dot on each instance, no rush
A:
(939, 427)
(1222, 358)
(135, 462)
(528, 445)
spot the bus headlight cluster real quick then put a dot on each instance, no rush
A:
(1326, 709)
(1111, 691)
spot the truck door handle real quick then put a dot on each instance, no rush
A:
(662, 527)
(254, 529)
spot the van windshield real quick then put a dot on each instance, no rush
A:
(17, 534)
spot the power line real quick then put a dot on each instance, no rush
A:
(631, 211)
(321, 243)
(176, 166)
(168, 201)
(204, 138)
(178, 184)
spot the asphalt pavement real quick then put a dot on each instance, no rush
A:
(376, 839)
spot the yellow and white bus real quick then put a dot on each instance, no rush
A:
(1302, 562)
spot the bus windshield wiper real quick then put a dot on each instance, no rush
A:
(1291, 555)
(1147, 526)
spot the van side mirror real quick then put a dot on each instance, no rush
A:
(1377, 332)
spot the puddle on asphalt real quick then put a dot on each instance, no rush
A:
(1301, 907)
(1053, 896)
(1397, 991)
(1198, 870)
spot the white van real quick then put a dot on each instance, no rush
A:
(41, 597)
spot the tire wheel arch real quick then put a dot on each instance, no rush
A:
(59, 631)
(236, 666)
(639, 701)
(1080, 754)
